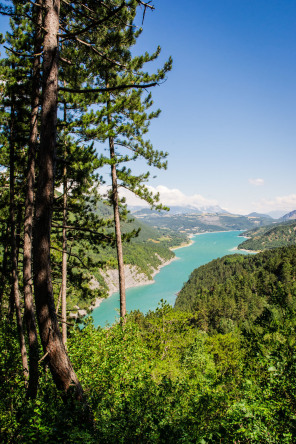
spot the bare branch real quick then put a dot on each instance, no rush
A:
(146, 5)
(43, 357)
(23, 55)
(66, 61)
(64, 322)
(35, 4)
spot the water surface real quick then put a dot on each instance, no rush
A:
(170, 279)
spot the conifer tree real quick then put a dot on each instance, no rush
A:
(78, 231)
(122, 71)
(29, 208)
(57, 358)
(15, 294)
(15, 77)
(122, 120)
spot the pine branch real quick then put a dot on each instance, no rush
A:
(82, 5)
(95, 50)
(86, 230)
(111, 88)
(70, 254)
(86, 8)
(93, 24)
(7, 10)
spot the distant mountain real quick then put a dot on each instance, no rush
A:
(267, 216)
(184, 210)
(140, 211)
(289, 216)
(136, 210)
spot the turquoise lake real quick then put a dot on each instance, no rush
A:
(170, 279)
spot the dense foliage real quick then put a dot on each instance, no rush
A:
(272, 236)
(220, 370)
(162, 379)
(235, 290)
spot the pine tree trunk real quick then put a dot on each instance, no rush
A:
(4, 267)
(57, 357)
(118, 233)
(64, 254)
(28, 222)
(15, 298)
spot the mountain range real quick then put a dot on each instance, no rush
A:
(191, 220)
(189, 209)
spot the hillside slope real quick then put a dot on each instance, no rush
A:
(235, 290)
(271, 236)
(289, 216)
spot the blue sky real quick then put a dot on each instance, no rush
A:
(229, 104)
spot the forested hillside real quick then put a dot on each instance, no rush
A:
(237, 290)
(271, 236)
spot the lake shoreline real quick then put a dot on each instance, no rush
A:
(170, 279)
(248, 251)
(137, 283)
(140, 279)
(143, 281)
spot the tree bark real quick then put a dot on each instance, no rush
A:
(64, 254)
(28, 222)
(3, 277)
(118, 232)
(15, 298)
(121, 274)
(57, 357)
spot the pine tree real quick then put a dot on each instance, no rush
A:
(123, 121)
(123, 72)
(57, 358)
(29, 210)
(15, 294)
(15, 112)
